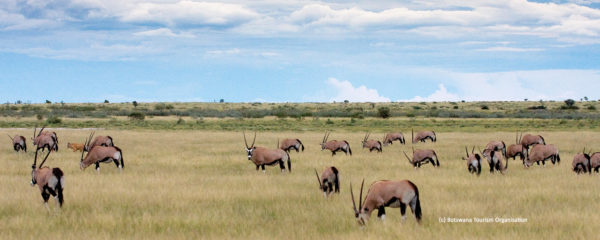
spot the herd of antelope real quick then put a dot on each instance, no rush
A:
(381, 194)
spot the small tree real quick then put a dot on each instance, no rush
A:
(135, 104)
(346, 101)
(569, 102)
(585, 98)
(222, 100)
(383, 112)
(106, 101)
(48, 101)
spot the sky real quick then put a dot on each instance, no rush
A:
(298, 51)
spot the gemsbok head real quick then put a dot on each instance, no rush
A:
(335, 145)
(581, 163)
(371, 144)
(261, 156)
(540, 153)
(46, 139)
(423, 156)
(422, 136)
(106, 141)
(101, 154)
(329, 181)
(19, 143)
(289, 143)
(516, 149)
(389, 138)
(473, 161)
(386, 193)
(51, 181)
(495, 158)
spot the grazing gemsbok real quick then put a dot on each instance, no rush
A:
(335, 145)
(19, 143)
(422, 136)
(101, 154)
(595, 161)
(106, 141)
(529, 140)
(494, 159)
(386, 193)
(371, 144)
(391, 137)
(539, 153)
(329, 181)
(50, 181)
(581, 163)
(473, 161)
(48, 140)
(497, 146)
(261, 156)
(423, 156)
(288, 144)
(516, 149)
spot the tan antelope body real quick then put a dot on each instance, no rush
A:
(539, 153)
(529, 140)
(76, 146)
(46, 139)
(386, 193)
(371, 144)
(50, 181)
(288, 144)
(105, 141)
(19, 143)
(495, 159)
(581, 163)
(101, 154)
(329, 181)
(261, 156)
(473, 161)
(391, 137)
(423, 135)
(335, 145)
(595, 161)
(497, 146)
(423, 156)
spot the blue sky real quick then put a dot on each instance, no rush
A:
(298, 51)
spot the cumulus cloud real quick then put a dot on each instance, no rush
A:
(162, 32)
(439, 95)
(344, 90)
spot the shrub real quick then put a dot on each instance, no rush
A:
(54, 120)
(39, 116)
(485, 107)
(383, 112)
(135, 104)
(591, 107)
(137, 116)
(106, 101)
(329, 121)
(180, 121)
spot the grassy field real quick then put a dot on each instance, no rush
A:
(199, 185)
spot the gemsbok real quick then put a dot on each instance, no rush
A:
(371, 144)
(48, 140)
(423, 156)
(386, 193)
(261, 156)
(19, 143)
(422, 136)
(51, 181)
(495, 159)
(101, 154)
(335, 145)
(581, 163)
(516, 149)
(329, 181)
(105, 141)
(289, 143)
(529, 140)
(497, 146)
(473, 161)
(539, 153)
(595, 161)
(389, 138)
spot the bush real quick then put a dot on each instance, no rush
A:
(591, 107)
(485, 107)
(137, 116)
(39, 116)
(329, 121)
(180, 121)
(383, 112)
(135, 104)
(569, 102)
(54, 120)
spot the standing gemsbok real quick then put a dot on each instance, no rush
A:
(289, 143)
(422, 136)
(516, 149)
(45, 140)
(494, 158)
(19, 143)
(50, 181)
(423, 156)
(389, 138)
(473, 161)
(386, 193)
(595, 161)
(529, 140)
(101, 154)
(105, 141)
(497, 146)
(539, 153)
(329, 181)
(261, 156)
(581, 163)
(371, 144)
(335, 145)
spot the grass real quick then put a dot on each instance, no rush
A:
(192, 184)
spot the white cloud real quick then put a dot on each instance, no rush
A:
(346, 91)
(510, 49)
(162, 32)
(439, 95)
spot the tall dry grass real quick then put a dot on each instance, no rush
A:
(199, 185)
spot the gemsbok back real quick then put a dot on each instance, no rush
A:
(101, 154)
(389, 138)
(595, 161)
(581, 163)
(335, 145)
(529, 140)
(386, 193)
(423, 156)
(19, 143)
(43, 140)
(516, 149)
(106, 141)
(371, 144)
(261, 156)
(422, 136)
(539, 153)
(495, 159)
(329, 181)
(289, 143)
(473, 161)
(497, 146)
(51, 181)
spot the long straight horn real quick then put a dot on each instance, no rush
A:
(323, 141)
(319, 179)
(277, 143)
(467, 151)
(42, 163)
(253, 140)
(360, 202)
(409, 160)
(245, 141)
(412, 135)
(517, 138)
(41, 130)
(11, 138)
(353, 202)
(34, 129)
(35, 159)
(473, 150)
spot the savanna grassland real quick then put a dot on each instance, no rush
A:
(198, 184)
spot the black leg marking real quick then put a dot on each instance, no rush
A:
(329, 187)
(337, 186)
(403, 209)
(281, 165)
(262, 166)
(97, 165)
(381, 211)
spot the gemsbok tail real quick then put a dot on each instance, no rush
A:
(302, 145)
(434, 136)
(349, 150)
(337, 178)
(417, 204)
(59, 185)
(120, 153)
(289, 162)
